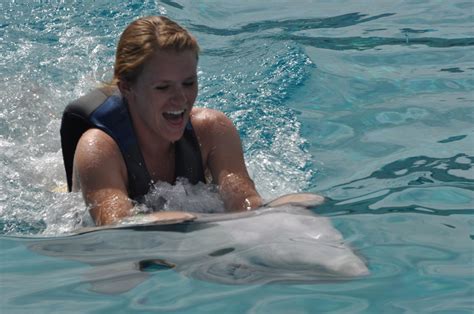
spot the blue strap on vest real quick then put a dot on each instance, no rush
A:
(113, 118)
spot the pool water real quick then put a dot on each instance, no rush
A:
(370, 104)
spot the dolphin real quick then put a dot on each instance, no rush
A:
(287, 244)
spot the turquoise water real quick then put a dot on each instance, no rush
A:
(370, 104)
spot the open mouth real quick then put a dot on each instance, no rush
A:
(174, 116)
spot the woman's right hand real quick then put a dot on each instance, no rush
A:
(170, 217)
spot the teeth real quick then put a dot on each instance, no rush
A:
(179, 112)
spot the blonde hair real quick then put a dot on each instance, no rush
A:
(142, 38)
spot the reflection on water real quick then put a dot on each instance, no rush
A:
(419, 184)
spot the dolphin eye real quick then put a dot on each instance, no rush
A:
(152, 265)
(222, 252)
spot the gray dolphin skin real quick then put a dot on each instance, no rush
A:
(285, 244)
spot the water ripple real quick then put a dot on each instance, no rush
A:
(366, 43)
(293, 25)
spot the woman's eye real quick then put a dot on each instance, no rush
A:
(162, 87)
(190, 83)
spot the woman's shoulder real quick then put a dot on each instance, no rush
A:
(96, 137)
(212, 128)
(98, 156)
(96, 145)
(206, 118)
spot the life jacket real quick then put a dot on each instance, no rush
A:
(109, 112)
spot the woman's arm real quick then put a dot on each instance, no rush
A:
(223, 153)
(100, 173)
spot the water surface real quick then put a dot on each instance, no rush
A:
(370, 104)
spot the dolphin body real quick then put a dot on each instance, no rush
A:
(269, 245)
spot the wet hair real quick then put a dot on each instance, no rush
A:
(142, 38)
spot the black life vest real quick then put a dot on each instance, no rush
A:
(109, 113)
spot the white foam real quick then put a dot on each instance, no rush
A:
(200, 198)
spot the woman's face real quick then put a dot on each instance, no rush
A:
(161, 98)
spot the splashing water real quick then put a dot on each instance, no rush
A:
(255, 101)
(199, 198)
(252, 95)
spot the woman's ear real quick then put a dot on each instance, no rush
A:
(124, 88)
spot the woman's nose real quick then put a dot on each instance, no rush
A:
(179, 96)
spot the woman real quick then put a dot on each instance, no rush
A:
(144, 128)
